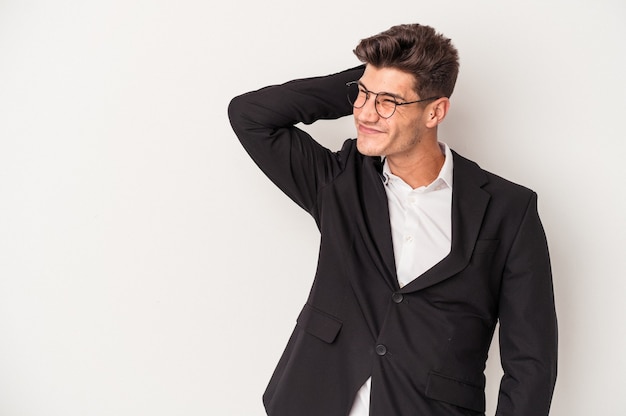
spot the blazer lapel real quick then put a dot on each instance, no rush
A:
(469, 203)
(376, 208)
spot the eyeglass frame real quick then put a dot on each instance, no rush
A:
(394, 100)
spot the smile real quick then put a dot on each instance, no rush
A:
(368, 130)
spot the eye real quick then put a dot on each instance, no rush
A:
(387, 100)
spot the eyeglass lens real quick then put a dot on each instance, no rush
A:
(357, 96)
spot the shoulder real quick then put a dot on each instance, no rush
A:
(494, 184)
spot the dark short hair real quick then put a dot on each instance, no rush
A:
(418, 50)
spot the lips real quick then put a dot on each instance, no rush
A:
(368, 130)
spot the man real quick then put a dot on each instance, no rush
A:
(422, 252)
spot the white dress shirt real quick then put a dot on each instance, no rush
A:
(421, 231)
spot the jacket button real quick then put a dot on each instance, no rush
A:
(397, 297)
(381, 349)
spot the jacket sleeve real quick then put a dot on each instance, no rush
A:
(265, 123)
(528, 325)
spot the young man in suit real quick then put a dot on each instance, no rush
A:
(422, 252)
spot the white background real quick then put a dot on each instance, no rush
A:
(148, 268)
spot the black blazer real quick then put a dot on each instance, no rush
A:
(425, 345)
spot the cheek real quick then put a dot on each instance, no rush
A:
(412, 131)
(403, 136)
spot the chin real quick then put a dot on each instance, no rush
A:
(368, 149)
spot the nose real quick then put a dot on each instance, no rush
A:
(367, 113)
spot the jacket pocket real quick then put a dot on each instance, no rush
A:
(453, 391)
(319, 324)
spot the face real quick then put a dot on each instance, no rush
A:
(399, 135)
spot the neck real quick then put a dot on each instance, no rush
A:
(419, 169)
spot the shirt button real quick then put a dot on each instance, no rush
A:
(381, 349)
(397, 297)
(408, 238)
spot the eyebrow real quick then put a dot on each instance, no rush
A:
(398, 96)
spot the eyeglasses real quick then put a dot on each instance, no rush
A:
(385, 103)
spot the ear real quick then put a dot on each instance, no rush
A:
(436, 112)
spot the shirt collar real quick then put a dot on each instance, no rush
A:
(444, 177)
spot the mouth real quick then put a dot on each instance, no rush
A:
(368, 130)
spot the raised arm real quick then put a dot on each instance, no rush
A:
(264, 121)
